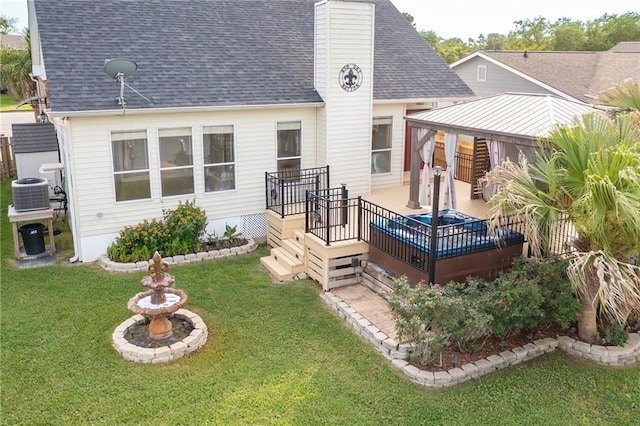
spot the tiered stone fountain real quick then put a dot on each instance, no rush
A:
(161, 331)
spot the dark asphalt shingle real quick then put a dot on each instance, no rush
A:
(34, 137)
(217, 52)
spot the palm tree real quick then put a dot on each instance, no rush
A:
(15, 69)
(588, 173)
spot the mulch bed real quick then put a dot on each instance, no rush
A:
(494, 346)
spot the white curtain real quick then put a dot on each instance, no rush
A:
(426, 153)
(497, 150)
(450, 145)
(497, 155)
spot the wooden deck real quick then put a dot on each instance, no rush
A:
(396, 198)
(340, 263)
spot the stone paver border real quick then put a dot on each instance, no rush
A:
(184, 347)
(111, 266)
(398, 353)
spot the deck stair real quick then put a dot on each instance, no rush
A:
(286, 261)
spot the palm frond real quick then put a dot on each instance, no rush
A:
(625, 96)
(618, 283)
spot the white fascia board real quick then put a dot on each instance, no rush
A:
(127, 111)
(418, 100)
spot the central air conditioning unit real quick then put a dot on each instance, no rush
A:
(30, 194)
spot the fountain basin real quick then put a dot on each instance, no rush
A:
(194, 341)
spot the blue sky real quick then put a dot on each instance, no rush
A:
(457, 18)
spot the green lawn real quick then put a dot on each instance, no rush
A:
(9, 102)
(275, 355)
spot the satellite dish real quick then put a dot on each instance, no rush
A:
(119, 69)
(116, 68)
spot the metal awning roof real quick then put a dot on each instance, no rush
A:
(510, 117)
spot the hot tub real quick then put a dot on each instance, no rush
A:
(465, 246)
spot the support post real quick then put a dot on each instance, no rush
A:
(433, 251)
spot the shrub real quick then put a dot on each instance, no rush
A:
(415, 311)
(186, 223)
(178, 233)
(614, 335)
(465, 315)
(231, 233)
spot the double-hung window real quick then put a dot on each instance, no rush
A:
(289, 147)
(130, 165)
(219, 158)
(176, 161)
(381, 145)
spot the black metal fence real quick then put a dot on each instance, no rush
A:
(285, 191)
(464, 163)
(332, 216)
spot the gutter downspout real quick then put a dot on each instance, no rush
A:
(63, 123)
(41, 105)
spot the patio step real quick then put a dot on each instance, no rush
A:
(298, 236)
(288, 260)
(276, 269)
(295, 248)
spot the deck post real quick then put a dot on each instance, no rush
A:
(433, 251)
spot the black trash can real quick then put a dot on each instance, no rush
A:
(33, 237)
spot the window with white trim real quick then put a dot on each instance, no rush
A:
(381, 145)
(289, 146)
(176, 161)
(219, 158)
(482, 73)
(130, 157)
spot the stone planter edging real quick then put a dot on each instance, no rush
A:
(194, 341)
(398, 353)
(111, 266)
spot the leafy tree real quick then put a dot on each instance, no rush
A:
(605, 32)
(529, 35)
(589, 173)
(7, 25)
(568, 35)
(15, 69)
(452, 50)
(496, 41)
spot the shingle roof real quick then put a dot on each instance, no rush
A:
(216, 53)
(503, 117)
(34, 137)
(12, 41)
(581, 75)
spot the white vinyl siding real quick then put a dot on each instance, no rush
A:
(100, 218)
(349, 36)
(394, 178)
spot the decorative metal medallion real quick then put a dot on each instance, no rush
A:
(350, 77)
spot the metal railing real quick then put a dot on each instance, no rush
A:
(332, 217)
(285, 190)
(464, 163)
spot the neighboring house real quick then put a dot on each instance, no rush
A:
(225, 91)
(571, 75)
(12, 41)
